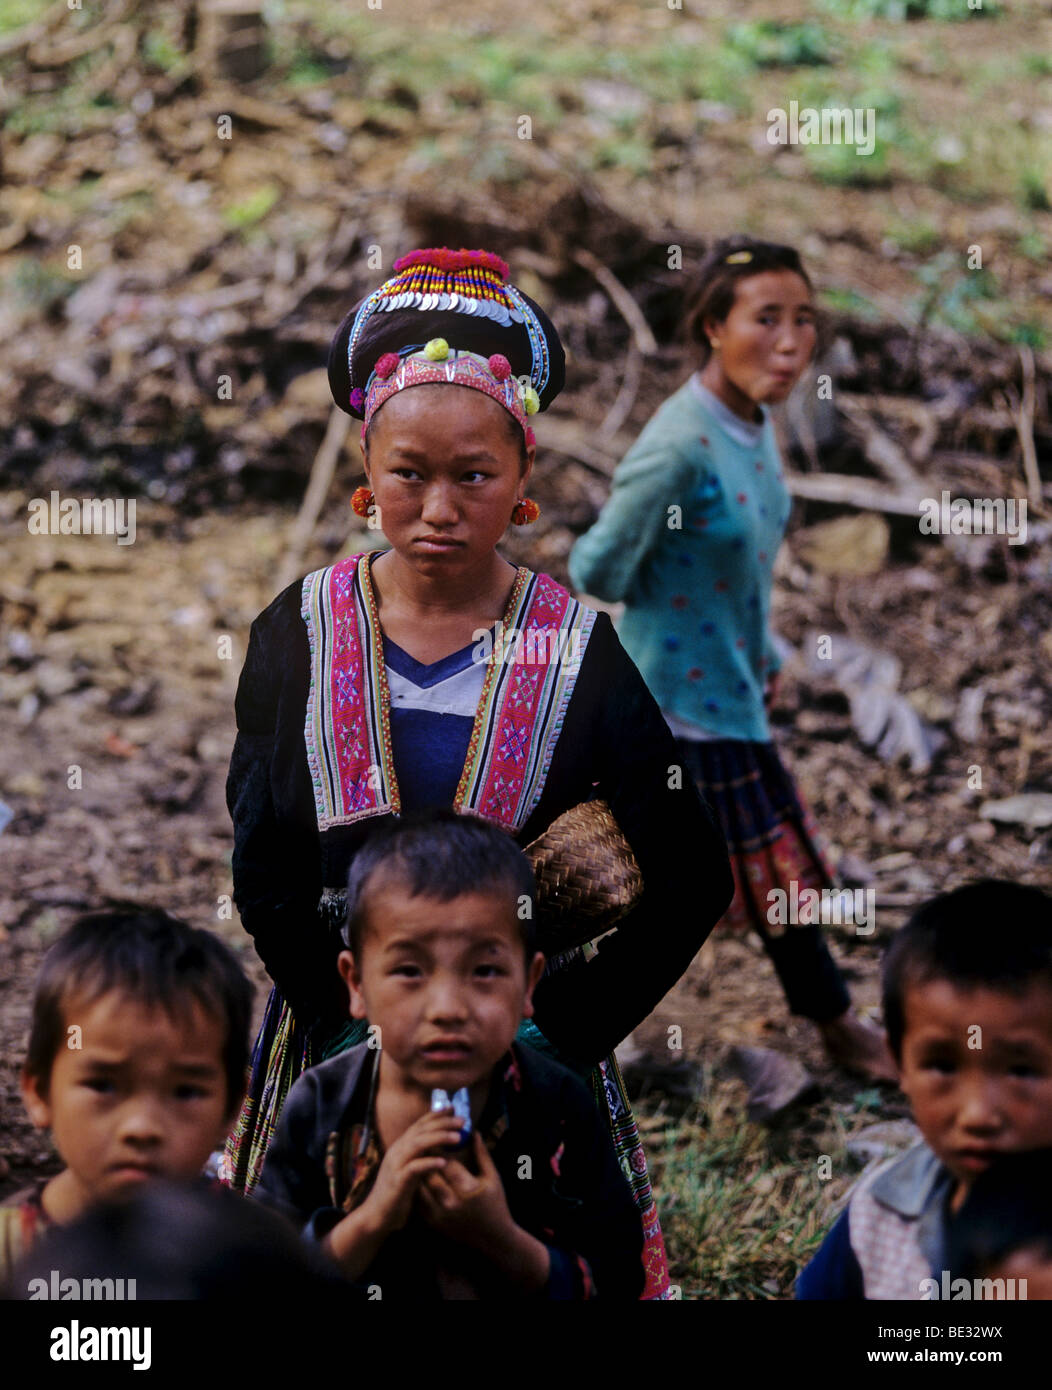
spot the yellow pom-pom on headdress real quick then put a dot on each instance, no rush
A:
(436, 349)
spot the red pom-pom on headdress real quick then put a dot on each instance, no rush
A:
(500, 366)
(446, 259)
(386, 364)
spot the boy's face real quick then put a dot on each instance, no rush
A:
(446, 983)
(143, 1095)
(977, 1068)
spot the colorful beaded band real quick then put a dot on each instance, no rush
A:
(473, 283)
(437, 361)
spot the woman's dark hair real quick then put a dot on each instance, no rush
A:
(1008, 1209)
(156, 960)
(716, 284)
(992, 934)
(441, 854)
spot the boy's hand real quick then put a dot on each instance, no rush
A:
(470, 1210)
(356, 1240)
(474, 1211)
(415, 1154)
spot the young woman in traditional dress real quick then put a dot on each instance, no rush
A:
(688, 541)
(367, 691)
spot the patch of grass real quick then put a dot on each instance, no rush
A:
(1036, 64)
(1033, 190)
(689, 72)
(840, 164)
(1029, 333)
(973, 303)
(135, 207)
(915, 235)
(160, 51)
(1032, 245)
(899, 10)
(247, 211)
(36, 286)
(15, 13)
(743, 1211)
(630, 152)
(847, 301)
(61, 112)
(772, 43)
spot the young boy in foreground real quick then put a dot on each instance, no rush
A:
(442, 962)
(968, 1009)
(136, 1063)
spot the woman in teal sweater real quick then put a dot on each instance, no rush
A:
(688, 541)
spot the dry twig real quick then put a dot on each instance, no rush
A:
(623, 301)
(322, 472)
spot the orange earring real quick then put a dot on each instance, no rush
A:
(524, 513)
(361, 501)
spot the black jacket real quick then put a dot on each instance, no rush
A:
(614, 744)
(554, 1155)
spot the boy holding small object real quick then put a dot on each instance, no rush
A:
(442, 962)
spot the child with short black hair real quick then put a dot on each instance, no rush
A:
(442, 962)
(968, 1009)
(1000, 1241)
(136, 1063)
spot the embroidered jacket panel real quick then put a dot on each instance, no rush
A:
(572, 1196)
(612, 743)
(22, 1221)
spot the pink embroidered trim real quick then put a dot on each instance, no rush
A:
(500, 794)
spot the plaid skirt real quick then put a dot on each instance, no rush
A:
(771, 836)
(283, 1051)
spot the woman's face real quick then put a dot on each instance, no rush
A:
(445, 470)
(768, 337)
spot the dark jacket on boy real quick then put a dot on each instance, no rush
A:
(547, 1140)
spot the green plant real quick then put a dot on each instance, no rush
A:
(252, 208)
(37, 286)
(899, 10)
(772, 43)
(160, 51)
(15, 13)
(915, 235)
(741, 1212)
(1034, 190)
(847, 301)
(1032, 245)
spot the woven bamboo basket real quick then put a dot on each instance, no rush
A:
(587, 876)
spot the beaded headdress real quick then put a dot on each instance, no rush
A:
(447, 316)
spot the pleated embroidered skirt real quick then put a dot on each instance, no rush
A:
(773, 841)
(771, 835)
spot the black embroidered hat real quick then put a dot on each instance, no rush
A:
(447, 316)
